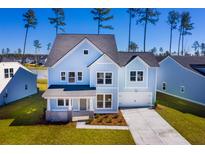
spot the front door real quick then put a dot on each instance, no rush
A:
(82, 104)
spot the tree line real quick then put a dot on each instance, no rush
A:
(176, 21)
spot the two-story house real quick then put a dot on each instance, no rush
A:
(87, 74)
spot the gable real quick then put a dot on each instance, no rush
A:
(103, 59)
(137, 63)
(77, 56)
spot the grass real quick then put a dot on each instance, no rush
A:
(42, 84)
(23, 122)
(115, 119)
(187, 118)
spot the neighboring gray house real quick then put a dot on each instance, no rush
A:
(87, 74)
(16, 82)
(183, 77)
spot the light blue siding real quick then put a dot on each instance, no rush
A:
(16, 87)
(136, 65)
(175, 76)
(76, 61)
(104, 64)
(148, 85)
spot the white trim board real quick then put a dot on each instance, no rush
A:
(186, 99)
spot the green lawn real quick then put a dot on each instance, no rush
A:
(23, 123)
(42, 84)
(187, 118)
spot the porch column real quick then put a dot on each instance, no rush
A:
(48, 105)
(91, 104)
(69, 104)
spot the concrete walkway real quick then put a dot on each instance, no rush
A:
(148, 127)
(83, 125)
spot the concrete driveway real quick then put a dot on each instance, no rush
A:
(148, 127)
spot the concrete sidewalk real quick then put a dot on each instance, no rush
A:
(148, 127)
(83, 125)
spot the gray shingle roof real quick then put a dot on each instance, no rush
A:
(105, 42)
(65, 42)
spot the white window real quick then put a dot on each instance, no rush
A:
(85, 52)
(104, 101)
(133, 75)
(60, 102)
(100, 78)
(104, 78)
(182, 89)
(71, 77)
(11, 70)
(140, 75)
(108, 78)
(100, 100)
(6, 73)
(164, 86)
(63, 76)
(80, 76)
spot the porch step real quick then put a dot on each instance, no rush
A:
(80, 118)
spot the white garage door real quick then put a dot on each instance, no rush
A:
(135, 99)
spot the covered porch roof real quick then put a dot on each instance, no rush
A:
(63, 91)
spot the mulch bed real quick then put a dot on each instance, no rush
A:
(115, 119)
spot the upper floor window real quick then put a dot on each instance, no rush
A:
(100, 78)
(133, 76)
(140, 76)
(104, 78)
(108, 78)
(80, 76)
(11, 70)
(85, 52)
(62, 76)
(71, 77)
(6, 73)
(136, 76)
(164, 86)
(182, 89)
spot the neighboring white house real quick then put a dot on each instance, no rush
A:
(16, 82)
(183, 77)
(87, 74)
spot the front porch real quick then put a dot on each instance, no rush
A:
(69, 109)
(69, 103)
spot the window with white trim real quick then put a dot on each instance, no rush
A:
(108, 78)
(85, 52)
(104, 78)
(71, 77)
(11, 71)
(104, 101)
(140, 76)
(6, 73)
(100, 78)
(182, 89)
(164, 86)
(63, 76)
(60, 102)
(100, 101)
(133, 75)
(80, 76)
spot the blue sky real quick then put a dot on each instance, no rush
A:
(80, 21)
